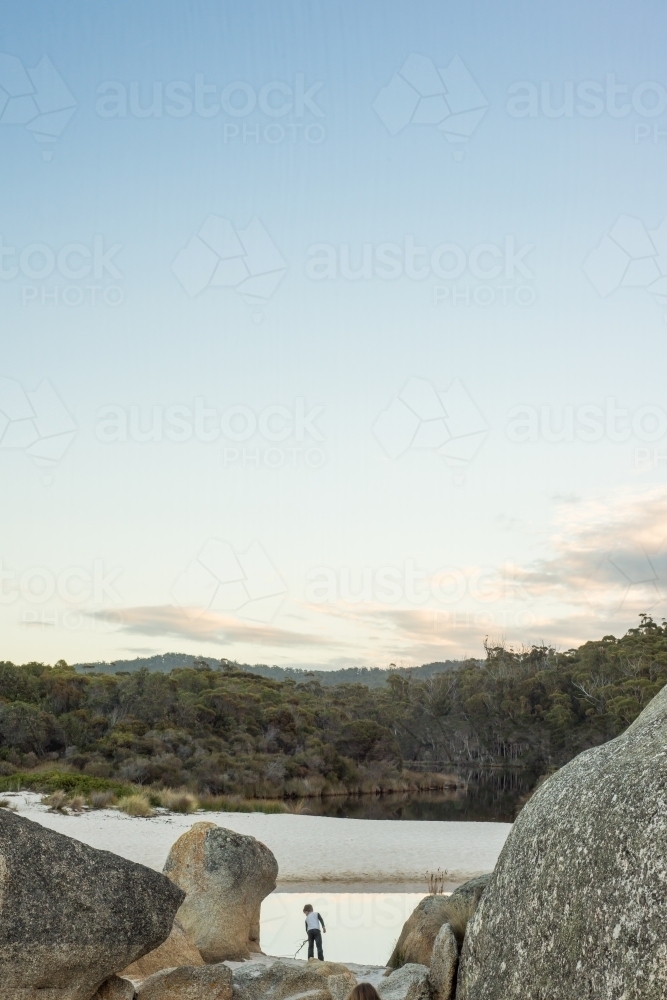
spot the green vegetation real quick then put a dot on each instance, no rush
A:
(226, 735)
(54, 780)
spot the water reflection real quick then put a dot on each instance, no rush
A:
(361, 927)
(483, 794)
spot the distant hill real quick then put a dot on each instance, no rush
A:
(370, 676)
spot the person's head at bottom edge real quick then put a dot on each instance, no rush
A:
(363, 991)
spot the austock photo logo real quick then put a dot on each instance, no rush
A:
(420, 94)
(458, 597)
(587, 423)
(36, 422)
(74, 598)
(221, 580)
(275, 437)
(74, 274)
(592, 99)
(630, 256)
(36, 98)
(422, 418)
(278, 112)
(220, 256)
(493, 273)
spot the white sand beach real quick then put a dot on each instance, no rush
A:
(310, 850)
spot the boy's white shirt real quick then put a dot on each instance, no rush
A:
(313, 921)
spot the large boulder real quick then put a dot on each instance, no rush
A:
(462, 904)
(444, 961)
(415, 942)
(282, 979)
(340, 984)
(225, 876)
(115, 988)
(577, 904)
(178, 950)
(410, 982)
(209, 982)
(71, 916)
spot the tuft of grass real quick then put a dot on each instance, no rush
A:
(7, 804)
(136, 805)
(77, 803)
(436, 881)
(298, 808)
(57, 802)
(176, 800)
(102, 800)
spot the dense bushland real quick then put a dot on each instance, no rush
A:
(226, 731)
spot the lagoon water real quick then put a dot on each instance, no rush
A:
(489, 794)
(361, 927)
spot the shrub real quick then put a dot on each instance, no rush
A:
(56, 802)
(178, 801)
(102, 800)
(136, 805)
(365, 739)
(29, 729)
(98, 769)
(51, 781)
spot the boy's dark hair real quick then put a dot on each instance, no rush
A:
(307, 908)
(363, 991)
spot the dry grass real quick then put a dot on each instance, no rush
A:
(57, 802)
(77, 803)
(176, 800)
(299, 808)
(135, 805)
(436, 881)
(102, 800)
(304, 788)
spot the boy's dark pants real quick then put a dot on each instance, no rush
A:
(315, 938)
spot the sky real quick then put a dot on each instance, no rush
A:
(334, 333)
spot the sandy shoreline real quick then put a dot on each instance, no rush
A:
(312, 851)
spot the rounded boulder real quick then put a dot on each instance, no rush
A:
(225, 876)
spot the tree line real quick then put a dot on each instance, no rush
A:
(221, 729)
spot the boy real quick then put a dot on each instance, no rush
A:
(313, 921)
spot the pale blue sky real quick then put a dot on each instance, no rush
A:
(523, 540)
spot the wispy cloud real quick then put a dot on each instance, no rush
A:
(608, 556)
(604, 563)
(168, 620)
